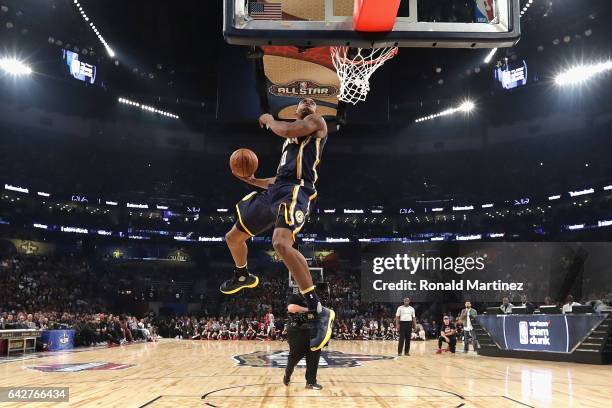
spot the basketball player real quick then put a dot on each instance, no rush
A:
(284, 205)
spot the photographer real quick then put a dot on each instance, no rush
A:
(448, 335)
(300, 330)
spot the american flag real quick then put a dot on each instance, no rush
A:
(266, 11)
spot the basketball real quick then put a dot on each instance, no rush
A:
(243, 163)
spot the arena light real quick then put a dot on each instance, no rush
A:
(147, 108)
(75, 230)
(337, 240)
(606, 223)
(93, 28)
(465, 107)
(210, 239)
(487, 206)
(134, 205)
(581, 192)
(15, 67)
(582, 73)
(16, 188)
(463, 208)
(526, 7)
(608, 188)
(473, 237)
(43, 194)
(222, 210)
(490, 56)
(554, 197)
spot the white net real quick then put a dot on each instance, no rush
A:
(355, 66)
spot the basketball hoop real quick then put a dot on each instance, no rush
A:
(355, 66)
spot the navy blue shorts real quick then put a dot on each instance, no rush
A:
(283, 205)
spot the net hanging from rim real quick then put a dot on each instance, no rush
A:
(355, 66)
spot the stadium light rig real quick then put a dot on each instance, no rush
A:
(582, 73)
(490, 56)
(465, 107)
(15, 67)
(93, 27)
(526, 7)
(147, 108)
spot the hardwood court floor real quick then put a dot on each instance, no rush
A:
(177, 373)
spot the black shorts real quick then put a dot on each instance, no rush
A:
(283, 205)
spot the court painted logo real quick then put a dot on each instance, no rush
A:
(76, 367)
(331, 359)
(303, 88)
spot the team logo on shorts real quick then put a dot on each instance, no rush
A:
(299, 216)
(331, 359)
(75, 367)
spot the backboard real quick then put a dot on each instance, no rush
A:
(419, 23)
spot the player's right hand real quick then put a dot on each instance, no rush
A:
(264, 119)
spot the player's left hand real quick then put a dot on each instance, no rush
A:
(249, 180)
(265, 119)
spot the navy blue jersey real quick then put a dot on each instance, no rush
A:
(300, 158)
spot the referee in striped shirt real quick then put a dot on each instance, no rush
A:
(405, 321)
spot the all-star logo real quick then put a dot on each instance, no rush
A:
(29, 248)
(278, 359)
(178, 256)
(75, 367)
(303, 88)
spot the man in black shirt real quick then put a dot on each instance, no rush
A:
(525, 303)
(448, 335)
(301, 327)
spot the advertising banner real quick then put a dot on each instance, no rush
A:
(551, 333)
(55, 340)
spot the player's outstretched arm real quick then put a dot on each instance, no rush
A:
(311, 124)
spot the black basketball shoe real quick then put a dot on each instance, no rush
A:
(237, 283)
(286, 380)
(324, 324)
(314, 386)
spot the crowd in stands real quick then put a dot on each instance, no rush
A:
(55, 292)
(270, 328)
(61, 292)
